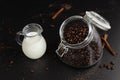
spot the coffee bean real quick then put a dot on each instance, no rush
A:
(112, 63)
(112, 68)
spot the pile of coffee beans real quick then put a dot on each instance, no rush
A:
(75, 32)
(108, 66)
(83, 57)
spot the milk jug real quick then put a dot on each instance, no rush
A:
(33, 44)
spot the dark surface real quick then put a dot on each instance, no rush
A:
(15, 15)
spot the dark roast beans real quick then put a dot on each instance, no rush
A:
(75, 31)
(83, 57)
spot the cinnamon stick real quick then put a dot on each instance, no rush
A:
(64, 7)
(105, 36)
(57, 13)
(109, 47)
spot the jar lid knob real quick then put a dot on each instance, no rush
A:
(97, 20)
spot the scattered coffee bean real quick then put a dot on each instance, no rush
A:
(52, 25)
(23, 78)
(100, 66)
(104, 65)
(46, 68)
(112, 63)
(11, 62)
(50, 5)
(67, 6)
(32, 71)
(112, 68)
(108, 67)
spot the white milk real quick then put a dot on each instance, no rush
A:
(34, 47)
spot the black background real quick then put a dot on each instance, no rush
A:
(14, 15)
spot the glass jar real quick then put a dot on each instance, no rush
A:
(80, 45)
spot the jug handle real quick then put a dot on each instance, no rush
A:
(19, 41)
(64, 52)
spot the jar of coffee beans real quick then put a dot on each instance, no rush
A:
(80, 45)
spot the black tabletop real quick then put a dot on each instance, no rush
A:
(14, 65)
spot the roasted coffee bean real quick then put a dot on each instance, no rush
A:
(112, 63)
